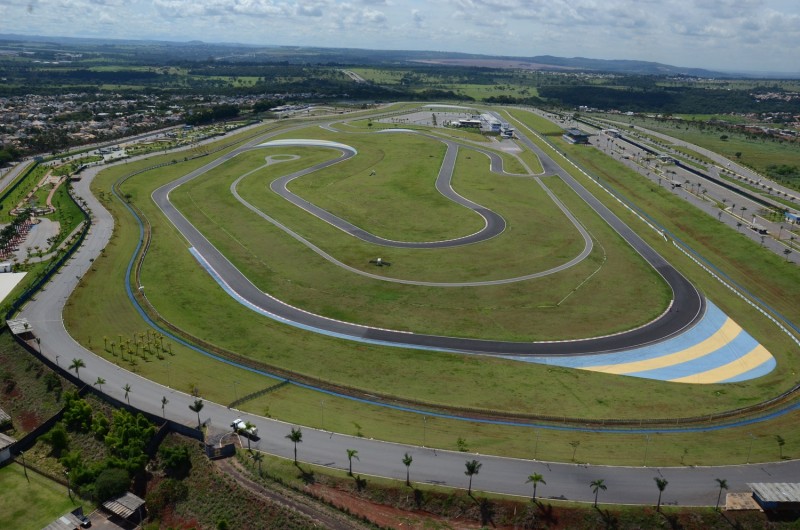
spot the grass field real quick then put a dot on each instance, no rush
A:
(431, 377)
(32, 503)
(529, 310)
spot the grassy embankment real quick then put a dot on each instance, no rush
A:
(533, 388)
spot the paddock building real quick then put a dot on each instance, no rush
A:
(575, 136)
(777, 496)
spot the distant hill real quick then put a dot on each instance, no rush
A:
(351, 56)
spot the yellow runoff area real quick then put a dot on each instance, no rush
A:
(756, 357)
(720, 339)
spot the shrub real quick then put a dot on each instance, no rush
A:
(110, 483)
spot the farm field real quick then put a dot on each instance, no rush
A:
(495, 384)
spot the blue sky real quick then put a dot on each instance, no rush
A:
(733, 35)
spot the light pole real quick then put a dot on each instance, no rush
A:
(750, 448)
(57, 356)
(169, 376)
(24, 467)
(322, 405)
(646, 446)
(424, 430)
(536, 446)
(235, 391)
(69, 491)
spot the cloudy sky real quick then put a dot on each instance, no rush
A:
(733, 35)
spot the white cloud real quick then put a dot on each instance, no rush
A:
(733, 34)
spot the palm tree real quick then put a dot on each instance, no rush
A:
(100, 382)
(473, 468)
(536, 478)
(76, 365)
(781, 443)
(296, 436)
(164, 402)
(574, 444)
(407, 459)
(248, 428)
(661, 484)
(351, 453)
(723, 485)
(127, 389)
(258, 458)
(197, 406)
(597, 485)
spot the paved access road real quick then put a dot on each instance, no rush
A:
(687, 486)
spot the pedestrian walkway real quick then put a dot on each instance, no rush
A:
(715, 350)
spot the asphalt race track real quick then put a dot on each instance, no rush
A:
(686, 309)
(630, 485)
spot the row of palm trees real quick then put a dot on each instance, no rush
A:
(472, 466)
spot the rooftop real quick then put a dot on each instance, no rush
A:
(776, 491)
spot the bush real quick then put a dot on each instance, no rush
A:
(176, 460)
(167, 493)
(110, 483)
(57, 438)
(77, 413)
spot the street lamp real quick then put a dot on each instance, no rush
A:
(57, 356)
(750, 448)
(536, 446)
(235, 392)
(322, 404)
(424, 430)
(24, 467)
(169, 376)
(646, 446)
(69, 491)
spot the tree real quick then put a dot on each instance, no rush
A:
(407, 459)
(787, 252)
(100, 382)
(164, 402)
(781, 443)
(473, 468)
(127, 389)
(258, 458)
(661, 484)
(597, 486)
(248, 428)
(574, 444)
(197, 406)
(296, 437)
(723, 485)
(175, 460)
(351, 454)
(535, 479)
(76, 365)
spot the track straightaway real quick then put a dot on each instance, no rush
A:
(685, 310)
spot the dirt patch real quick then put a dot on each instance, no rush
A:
(28, 420)
(388, 516)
